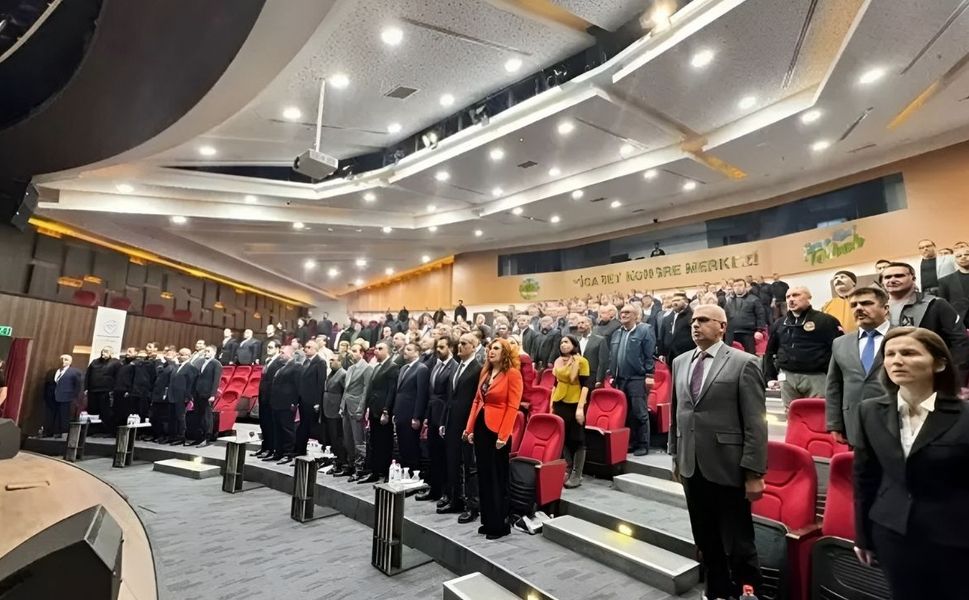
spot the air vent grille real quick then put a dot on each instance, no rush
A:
(528, 164)
(401, 92)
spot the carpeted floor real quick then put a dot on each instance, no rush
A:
(209, 545)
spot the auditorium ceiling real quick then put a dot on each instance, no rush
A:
(725, 102)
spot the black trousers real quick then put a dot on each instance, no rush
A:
(143, 406)
(461, 479)
(331, 430)
(723, 530)
(492, 478)
(381, 449)
(266, 425)
(283, 431)
(202, 416)
(917, 568)
(409, 444)
(121, 408)
(437, 451)
(161, 419)
(58, 417)
(177, 419)
(745, 339)
(307, 419)
(637, 411)
(99, 403)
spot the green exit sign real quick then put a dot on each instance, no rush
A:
(6, 331)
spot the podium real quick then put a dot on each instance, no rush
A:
(233, 477)
(304, 492)
(124, 445)
(390, 555)
(76, 438)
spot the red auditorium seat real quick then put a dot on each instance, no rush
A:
(606, 434)
(542, 446)
(224, 411)
(539, 400)
(546, 378)
(835, 571)
(85, 298)
(737, 346)
(249, 397)
(517, 431)
(660, 401)
(154, 311)
(760, 346)
(120, 303)
(183, 316)
(806, 428)
(785, 523)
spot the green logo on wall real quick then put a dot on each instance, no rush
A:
(529, 289)
(842, 241)
(6, 331)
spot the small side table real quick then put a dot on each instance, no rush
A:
(304, 507)
(124, 447)
(233, 477)
(76, 438)
(389, 554)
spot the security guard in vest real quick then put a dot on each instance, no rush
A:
(799, 348)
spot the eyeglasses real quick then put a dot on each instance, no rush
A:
(703, 320)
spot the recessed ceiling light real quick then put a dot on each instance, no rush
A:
(517, 210)
(478, 233)
(689, 186)
(810, 116)
(566, 127)
(701, 58)
(179, 220)
(291, 113)
(358, 282)
(513, 64)
(447, 100)
(333, 271)
(298, 225)
(339, 80)
(820, 145)
(496, 154)
(615, 204)
(392, 36)
(389, 271)
(432, 228)
(626, 150)
(431, 208)
(394, 128)
(650, 174)
(497, 192)
(124, 188)
(554, 172)
(207, 151)
(871, 75)
(577, 194)
(309, 264)
(250, 199)
(425, 259)
(554, 219)
(387, 229)
(361, 262)
(442, 176)
(369, 197)
(747, 102)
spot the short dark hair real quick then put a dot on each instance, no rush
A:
(576, 349)
(946, 381)
(882, 260)
(902, 265)
(680, 294)
(878, 293)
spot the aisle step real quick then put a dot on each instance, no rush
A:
(187, 468)
(662, 569)
(475, 586)
(652, 488)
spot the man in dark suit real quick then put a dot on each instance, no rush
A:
(461, 480)
(325, 326)
(595, 349)
(380, 400)
(64, 386)
(608, 323)
(160, 410)
(266, 424)
(460, 311)
(408, 406)
(353, 408)
(675, 336)
(441, 373)
(283, 398)
(99, 381)
(249, 350)
(180, 391)
(142, 383)
(230, 345)
(718, 440)
(272, 335)
(954, 288)
(856, 361)
(312, 382)
(206, 388)
(547, 347)
(121, 406)
(331, 422)
(747, 316)
(527, 334)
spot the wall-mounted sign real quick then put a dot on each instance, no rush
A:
(842, 241)
(6, 331)
(529, 288)
(658, 274)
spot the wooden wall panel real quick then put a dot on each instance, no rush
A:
(428, 291)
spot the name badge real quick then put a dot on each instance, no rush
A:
(809, 326)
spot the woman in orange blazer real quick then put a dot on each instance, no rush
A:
(489, 429)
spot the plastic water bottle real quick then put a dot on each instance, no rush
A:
(394, 474)
(748, 593)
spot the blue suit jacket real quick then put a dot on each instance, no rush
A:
(69, 386)
(410, 401)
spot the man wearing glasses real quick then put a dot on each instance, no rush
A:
(631, 365)
(799, 348)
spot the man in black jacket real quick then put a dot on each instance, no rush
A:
(461, 480)
(181, 390)
(778, 291)
(799, 348)
(312, 382)
(142, 383)
(159, 397)
(380, 400)
(206, 388)
(745, 317)
(121, 406)
(266, 424)
(608, 323)
(99, 381)
(409, 405)
(441, 373)
(227, 354)
(460, 311)
(249, 350)
(954, 288)
(283, 399)
(547, 345)
(676, 334)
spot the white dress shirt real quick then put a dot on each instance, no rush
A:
(583, 342)
(707, 364)
(909, 424)
(863, 339)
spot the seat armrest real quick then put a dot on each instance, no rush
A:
(549, 480)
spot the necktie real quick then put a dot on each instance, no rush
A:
(696, 380)
(868, 352)
(437, 370)
(205, 364)
(622, 350)
(400, 378)
(57, 376)
(458, 374)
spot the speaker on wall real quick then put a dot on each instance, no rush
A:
(18, 201)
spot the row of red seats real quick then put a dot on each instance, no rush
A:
(237, 383)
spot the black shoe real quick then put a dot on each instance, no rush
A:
(450, 508)
(495, 536)
(344, 473)
(443, 501)
(162, 440)
(482, 530)
(285, 460)
(469, 516)
(640, 451)
(426, 497)
(258, 454)
(193, 443)
(358, 476)
(176, 442)
(271, 457)
(204, 444)
(372, 478)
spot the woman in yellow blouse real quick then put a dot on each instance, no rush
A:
(571, 371)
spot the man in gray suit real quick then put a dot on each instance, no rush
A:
(856, 363)
(353, 408)
(718, 440)
(331, 424)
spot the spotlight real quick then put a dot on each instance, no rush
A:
(577, 194)
(615, 204)
(358, 282)
(339, 81)
(394, 128)
(554, 219)
(179, 220)
(554, 172)
(124, 188)
(701, 59)
(361, 262)
(207, 151)
(566, 127)
(478, 233)
(447, 100)
(432, 228)
(442, 176)
(810, 116)
(650, 174)
(871, 76)
(392, 36)
(517, 211)
(387, 229)
(389, 271)
(298, 225)
(369, 197)
(820, 145)
(747, 102)
(292, 114)
(496, 154)
(250, 199)
(497, 192)
(309, 264)
(513, 64)
(332, 272)
(431, 207)
(425, 259)
(689, 186)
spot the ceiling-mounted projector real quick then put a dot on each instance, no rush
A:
(315, 164)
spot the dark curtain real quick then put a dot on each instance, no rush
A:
(15, 371)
